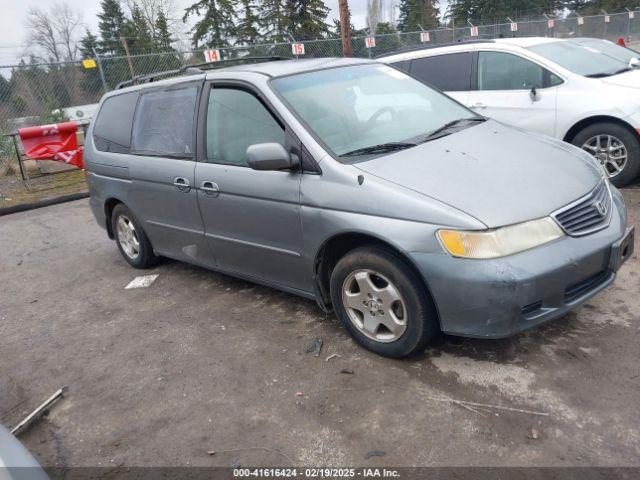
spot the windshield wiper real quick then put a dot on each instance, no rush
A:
(609, 74)
(381, 148)
(444, 130)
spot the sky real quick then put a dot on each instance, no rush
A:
(14, 37)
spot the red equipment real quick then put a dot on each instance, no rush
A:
(56, 142)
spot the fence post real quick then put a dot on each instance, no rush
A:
(99, 62)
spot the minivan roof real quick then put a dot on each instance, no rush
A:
(288, 67)
(272, 68)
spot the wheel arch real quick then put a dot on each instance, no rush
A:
(585, 122)
(109, 205)
(338, 245)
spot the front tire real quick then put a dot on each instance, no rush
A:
(382, 302)
(615, 147)
(131, 239)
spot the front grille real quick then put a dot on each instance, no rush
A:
(576, 290)
(587, 215)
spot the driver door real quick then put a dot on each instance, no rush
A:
(251, 218)
(504, 92)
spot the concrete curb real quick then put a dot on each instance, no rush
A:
(44, 203)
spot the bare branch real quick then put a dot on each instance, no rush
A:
(53, 33)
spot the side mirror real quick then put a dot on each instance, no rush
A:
(533, 94)
(271, 156)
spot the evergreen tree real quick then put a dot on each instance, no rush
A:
(418, 13)
(163, 39)
(137, 32)
(594, 7)
(163, 42)
(111, 23)
(311, 18)
(216, 28)
(247, 29)
(88, 43)
(483, 11)
(273, 20)
(6, 89)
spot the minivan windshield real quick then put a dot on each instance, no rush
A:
(585, 60)
(371, 110)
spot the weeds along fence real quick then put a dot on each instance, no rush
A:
(32, 94)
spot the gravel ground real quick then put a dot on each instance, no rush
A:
(201, 361)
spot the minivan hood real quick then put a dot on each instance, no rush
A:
(498, 174)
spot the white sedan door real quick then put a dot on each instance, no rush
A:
(516, 91)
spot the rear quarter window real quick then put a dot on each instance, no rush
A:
(112, 128)
(449, 73)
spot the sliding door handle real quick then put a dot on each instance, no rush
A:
(210, 188)
(182, 184)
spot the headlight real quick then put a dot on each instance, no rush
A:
(501, 241)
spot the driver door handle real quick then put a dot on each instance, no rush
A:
(210, 188)
(182, 184)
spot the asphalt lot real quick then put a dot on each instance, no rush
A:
(201, 361)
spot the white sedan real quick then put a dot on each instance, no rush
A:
(583, 91)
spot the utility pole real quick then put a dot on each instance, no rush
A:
(345, 28)
(125, 44)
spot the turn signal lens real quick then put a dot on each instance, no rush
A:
(500, 242)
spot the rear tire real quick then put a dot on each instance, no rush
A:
(622, 141)
(382, 302)
(131, 239)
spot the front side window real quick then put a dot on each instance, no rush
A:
(164, 123)
(449, 73)
(236, 119)
(504, 71)
(370, 109)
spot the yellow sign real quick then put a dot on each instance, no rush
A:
(89, 63)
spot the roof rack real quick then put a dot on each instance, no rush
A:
(197, 69)
(435, 45)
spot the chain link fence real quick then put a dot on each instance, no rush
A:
(33, 94)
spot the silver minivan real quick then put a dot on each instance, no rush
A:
(354, 184)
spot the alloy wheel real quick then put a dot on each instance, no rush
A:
(374, 305)
(609, 151)
(128, 237)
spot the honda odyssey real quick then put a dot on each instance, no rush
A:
(352, 183)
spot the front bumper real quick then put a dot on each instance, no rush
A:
(501, 297)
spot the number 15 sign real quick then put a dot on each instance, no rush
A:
(297, 48)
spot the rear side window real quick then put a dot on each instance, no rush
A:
(112, 129)
(164, 123)
(449, 73)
